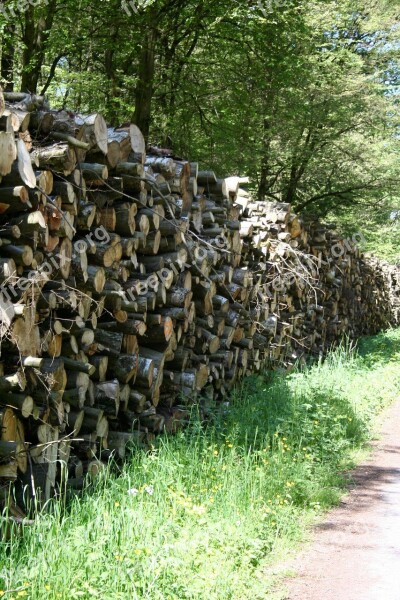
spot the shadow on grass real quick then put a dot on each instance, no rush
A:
(323, 421)
(380, 348)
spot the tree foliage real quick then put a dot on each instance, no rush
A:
(301, 96)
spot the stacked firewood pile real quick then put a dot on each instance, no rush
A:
(134, 284)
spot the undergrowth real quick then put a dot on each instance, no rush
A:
(202, 514)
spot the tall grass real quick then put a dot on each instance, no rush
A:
(201, 514)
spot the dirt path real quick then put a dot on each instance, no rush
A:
(355, 552)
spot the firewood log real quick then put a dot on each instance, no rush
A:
(95, 130)
(8, 152)
(58, 157)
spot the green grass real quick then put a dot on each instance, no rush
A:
(202, 514)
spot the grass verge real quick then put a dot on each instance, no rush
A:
(201, 515)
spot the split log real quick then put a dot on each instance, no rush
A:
(8, 152)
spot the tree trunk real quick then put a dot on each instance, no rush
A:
(145, 86)
(7, 57)
(264, 172)
(35, 35)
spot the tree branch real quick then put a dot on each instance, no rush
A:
(52, 73)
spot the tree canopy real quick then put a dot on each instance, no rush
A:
(301, 96)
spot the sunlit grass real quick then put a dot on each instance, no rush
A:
(200, 515)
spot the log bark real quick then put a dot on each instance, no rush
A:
(57, 157)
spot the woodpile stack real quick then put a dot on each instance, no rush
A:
(134, 284)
